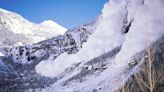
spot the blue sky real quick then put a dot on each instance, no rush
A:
(68, 13)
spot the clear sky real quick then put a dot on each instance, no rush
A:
(68, 13)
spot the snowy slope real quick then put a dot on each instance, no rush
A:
(108, 36)
(132, 24)
(122, 33)
(70, 43)
(23, 59)
(15, 24)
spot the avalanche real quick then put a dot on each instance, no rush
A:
(106, 37)
(147, 26)
(123, 32)
(132, 24)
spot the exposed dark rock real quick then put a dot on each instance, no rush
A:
(18, 73)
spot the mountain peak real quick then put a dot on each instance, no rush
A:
(49, 22)
(52, 24)
(17, 25)
(3, 10)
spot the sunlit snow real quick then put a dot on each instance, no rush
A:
(147, 26)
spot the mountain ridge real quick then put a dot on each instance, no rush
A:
(17, 25)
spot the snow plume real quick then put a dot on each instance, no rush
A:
(107, 36)
(132, 24)
(147, 27)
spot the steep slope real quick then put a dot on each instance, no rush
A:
(70, 43)
(21, 61)
(101, 75)
(14, 26)
(138, 24)
(108, 36)
(112, 53)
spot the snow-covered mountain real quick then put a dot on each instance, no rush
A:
(16, 30)
(70, 42)
(23, 59)
(97, 57)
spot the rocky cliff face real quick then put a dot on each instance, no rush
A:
(18, 68)
(70, 42)
(15, 77)
(81, 73)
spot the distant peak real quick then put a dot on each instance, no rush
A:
(51, 23)
(7, 11)
(3, 10)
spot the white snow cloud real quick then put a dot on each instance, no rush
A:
(146, 28)
(106, 37)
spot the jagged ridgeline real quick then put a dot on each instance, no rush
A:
(18, 69)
